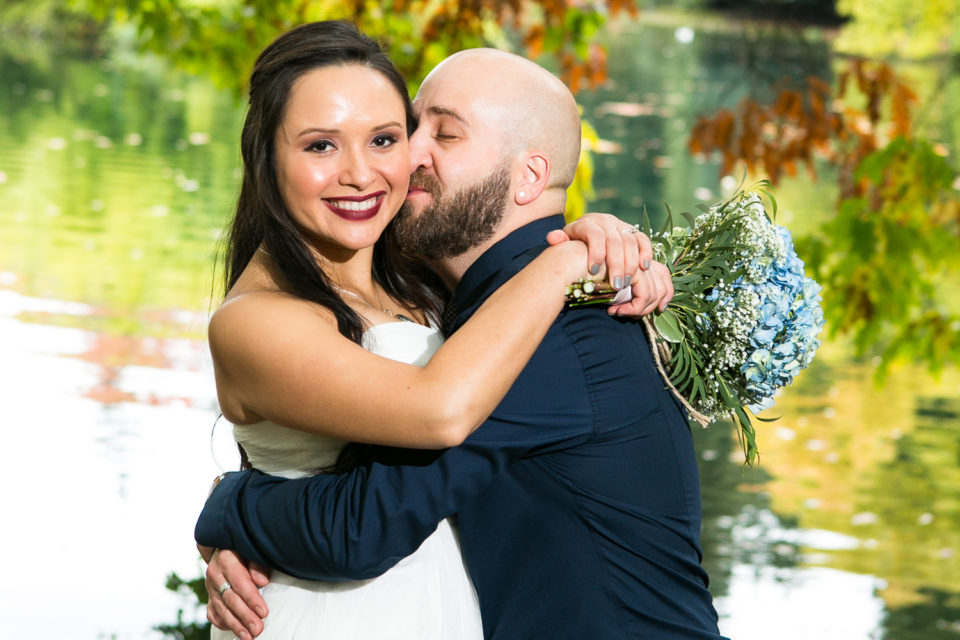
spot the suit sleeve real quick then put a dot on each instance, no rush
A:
(359, 524)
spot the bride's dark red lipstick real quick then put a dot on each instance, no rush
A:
(358, 214)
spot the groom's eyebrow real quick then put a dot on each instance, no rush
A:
(447, 111)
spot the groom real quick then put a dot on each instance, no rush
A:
(578, 500)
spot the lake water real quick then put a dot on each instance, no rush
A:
(116, 178)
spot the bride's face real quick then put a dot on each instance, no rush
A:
(342, 159)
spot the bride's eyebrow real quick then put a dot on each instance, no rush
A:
(379, 127)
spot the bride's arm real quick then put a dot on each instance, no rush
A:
(276, 358)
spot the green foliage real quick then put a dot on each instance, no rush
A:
(28, 27)
(581, 192)
(222, 38)
(194, 592)
(902, 27)
(883, 257)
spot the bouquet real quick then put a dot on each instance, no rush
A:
(744, 318)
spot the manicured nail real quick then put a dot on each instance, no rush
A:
(618, 283)
(253, 628)
(594, 269)
(261, 611)
(646, 263)
(626, 281)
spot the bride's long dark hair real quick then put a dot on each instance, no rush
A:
(262, 216)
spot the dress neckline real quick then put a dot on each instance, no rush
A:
(401, 323)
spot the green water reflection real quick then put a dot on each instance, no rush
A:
(116, 181)
(117, 176)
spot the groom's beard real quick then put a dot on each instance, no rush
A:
(453, 223)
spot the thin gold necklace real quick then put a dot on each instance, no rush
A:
(379, 306)
(389, 312)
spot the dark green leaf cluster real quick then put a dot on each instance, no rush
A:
(889, 259)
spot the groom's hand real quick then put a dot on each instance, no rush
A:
(240, 607)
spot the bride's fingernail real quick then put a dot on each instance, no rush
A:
(618, 283)
(646, 264)
(594, 269)
(626, 281)
(261, 612)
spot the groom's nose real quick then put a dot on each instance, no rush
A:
(420, 153)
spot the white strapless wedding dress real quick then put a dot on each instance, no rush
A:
(426, 596)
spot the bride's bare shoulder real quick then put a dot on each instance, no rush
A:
(261, 312)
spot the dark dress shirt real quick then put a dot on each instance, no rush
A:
(578, 500)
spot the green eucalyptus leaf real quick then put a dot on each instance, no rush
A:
(668, 225)
(667, 326)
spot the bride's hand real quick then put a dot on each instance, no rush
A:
(622, 246)
(625, 250)
(239, 608)
(652, 290)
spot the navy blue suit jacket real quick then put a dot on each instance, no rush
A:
(578, 501)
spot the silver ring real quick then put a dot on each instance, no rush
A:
(633, 229)
(226, 585)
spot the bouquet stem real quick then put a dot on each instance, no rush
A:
(655, 350)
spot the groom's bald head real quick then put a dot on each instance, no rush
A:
(529, 106)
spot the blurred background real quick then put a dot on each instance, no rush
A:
(119, 166)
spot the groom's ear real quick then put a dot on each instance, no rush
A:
(534, 173)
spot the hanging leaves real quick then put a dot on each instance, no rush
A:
(897, 224)
(224, 39)
(818, 122)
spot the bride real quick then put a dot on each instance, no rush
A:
(328, 333)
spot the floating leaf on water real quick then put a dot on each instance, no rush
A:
(703, 193)
(199, 138)
(624, 109)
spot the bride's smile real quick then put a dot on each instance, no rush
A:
(357, 207)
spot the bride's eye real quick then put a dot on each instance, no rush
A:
(320, 146)
(384, 141)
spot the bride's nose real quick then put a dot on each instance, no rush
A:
(356, 170)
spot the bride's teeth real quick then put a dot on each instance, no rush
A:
(353, 205)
